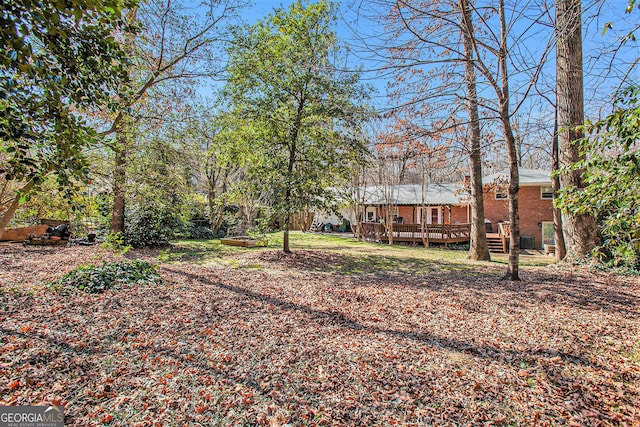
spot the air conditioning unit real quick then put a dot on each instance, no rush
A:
(527, 242)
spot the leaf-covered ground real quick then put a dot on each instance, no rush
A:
(369, 336)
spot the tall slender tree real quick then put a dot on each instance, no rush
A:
(558, 236)
(492, 60)
(441, 31)
(430, 43)
(282, 80)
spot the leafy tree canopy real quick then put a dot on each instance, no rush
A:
(305, 112)
(56, 59)
(611, 160)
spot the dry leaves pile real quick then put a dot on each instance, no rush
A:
(303, 340)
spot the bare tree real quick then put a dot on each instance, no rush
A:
(492, 60)
(388, 168)
(492, 50)
(425, 53)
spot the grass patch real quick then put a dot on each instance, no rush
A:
(348, 245)
(345, 255)
(197, 251)
(526, 260)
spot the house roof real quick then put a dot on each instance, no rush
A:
(414, 194)
(528, 177)
(442, 194)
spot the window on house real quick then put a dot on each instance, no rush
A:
(546, 192)
(502, 195)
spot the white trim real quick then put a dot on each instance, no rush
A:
(373, 211)
(549, 192)
(428, 211)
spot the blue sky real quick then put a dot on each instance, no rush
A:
(599, 67)
(262, 8)
(348, 23)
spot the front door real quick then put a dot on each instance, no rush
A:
(433, 215)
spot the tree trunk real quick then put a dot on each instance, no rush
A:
(359, 206)
(424, 226)
(293, 152)
(357, 232)
(580, 231)
(287, 217)
(479, 248)
(217, 205)
(13, 207)
(121, 150)
(287, 201)
(285, 240)
(389, 224)
(514, 189)
(119, 181)
(212, 209)
(514, 176)
(211, 195)
(560, 250)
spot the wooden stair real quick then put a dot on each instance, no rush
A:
(494, 241)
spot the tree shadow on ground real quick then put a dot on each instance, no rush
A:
(539, 286)
(362, 264)
(195, 252)
(338, 318)
(591, 292)
(76, 358)
(555, 365)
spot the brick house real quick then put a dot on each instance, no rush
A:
(535, 205)
(448, 204)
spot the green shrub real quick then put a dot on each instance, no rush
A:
(115, 242)
(617, 256)
(112, 275)
(150, 226)
(610, 159)
(196, 232)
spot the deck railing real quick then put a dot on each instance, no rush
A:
(436, 233)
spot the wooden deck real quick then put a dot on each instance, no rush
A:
(416, 233)
(499, 242)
